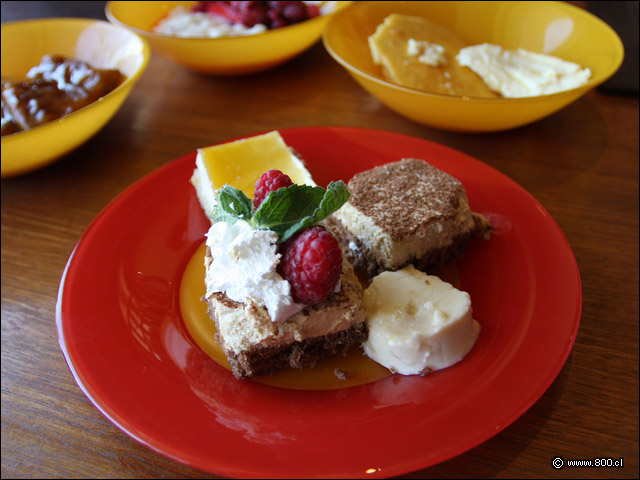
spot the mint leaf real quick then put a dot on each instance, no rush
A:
(289, 210)
(232, 205)
(286, 206)
(336, 196)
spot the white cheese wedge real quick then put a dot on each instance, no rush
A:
(417, 322)
(520, 73)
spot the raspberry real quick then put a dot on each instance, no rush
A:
(311, 262)
(269, 181)
(249, 13)
(295, 12)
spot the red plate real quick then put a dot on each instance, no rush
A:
(122, 335)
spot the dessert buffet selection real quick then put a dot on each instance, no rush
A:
(298, 273)
(313, 227)
(417, 53)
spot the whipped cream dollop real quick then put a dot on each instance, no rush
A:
(521, 73)
(183, 23)
(244, 268)
(417, 322)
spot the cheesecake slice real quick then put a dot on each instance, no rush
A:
(417, 53)
(259, 327)
(240, 163)
(405, 212)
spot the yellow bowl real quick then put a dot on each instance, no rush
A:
(100, 44)
(219, 56)
(554, 28)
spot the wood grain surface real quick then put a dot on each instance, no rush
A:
(580, 163)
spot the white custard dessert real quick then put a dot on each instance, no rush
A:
(417, 323)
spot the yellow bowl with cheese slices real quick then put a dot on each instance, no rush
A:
(555, 29)
(224, 55)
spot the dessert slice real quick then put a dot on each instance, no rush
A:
(417, 323)
(420, 54)
(277, 286)
(405, 212)
(256, 345)
(241, 162)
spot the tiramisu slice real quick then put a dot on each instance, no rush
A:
(405, 212)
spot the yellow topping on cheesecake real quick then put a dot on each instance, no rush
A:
(240, 163)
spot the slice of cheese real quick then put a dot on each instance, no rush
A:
(240, 164)
(417, 53)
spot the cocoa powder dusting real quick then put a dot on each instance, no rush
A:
(400, 197)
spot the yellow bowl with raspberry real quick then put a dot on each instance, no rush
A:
(228, 55)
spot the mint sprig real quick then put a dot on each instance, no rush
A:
(232, 205)
(286, 211)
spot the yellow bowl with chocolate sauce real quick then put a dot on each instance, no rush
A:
(553, 28)
(235, 55)
(98, 43)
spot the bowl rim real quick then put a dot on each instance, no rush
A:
(128, 82)
(591, 83)
(147, 33)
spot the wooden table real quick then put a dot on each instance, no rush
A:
(581, 164)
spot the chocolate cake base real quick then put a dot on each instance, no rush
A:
(363, 259)
(307, 353)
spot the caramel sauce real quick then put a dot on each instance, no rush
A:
(355, 368)
(56, 87)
